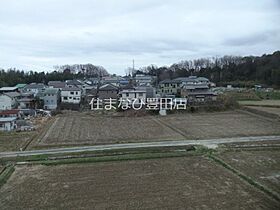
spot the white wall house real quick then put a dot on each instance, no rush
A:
(7, 101)
(51, 97)
(35, 88)
(8, 123)
(138, 96)
(71, 95)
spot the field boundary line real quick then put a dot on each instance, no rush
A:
(244, 111)
(159, 122)
(247, 179)
(47, 133)
(6, 174)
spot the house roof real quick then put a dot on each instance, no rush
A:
(169, 81)
(108, 87)
(73, 82)
(8, 89)
(12, 94)
(6, 112)
(57, 84)
(196, 86)
(7, 119)
(133, 91)
(20, 85)
(35, 86)
(26, 100)
(202, 93)
(51, 91)
(71, 89)
(191, 79)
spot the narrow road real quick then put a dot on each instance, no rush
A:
(210, 143)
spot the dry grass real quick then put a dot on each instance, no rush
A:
(79, 128)
(271, 103)
(263, 166)
(221, 124)
(174, 183)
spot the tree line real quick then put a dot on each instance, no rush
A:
(236, 70)
(239, 71)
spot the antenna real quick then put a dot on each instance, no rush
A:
(133, 65)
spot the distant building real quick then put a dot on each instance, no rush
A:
(21, 87)
(71, 95)
(129, 95)
(198, 93)
(9, 100)
(27, 100)
(170, 87)
(10, 113)
(35, 88)
(51, 98)
(56, 84)
(193, 80)
(143, 80)
(8, 123)
(108, 91)
(8, 89)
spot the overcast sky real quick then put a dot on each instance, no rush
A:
(38, 34)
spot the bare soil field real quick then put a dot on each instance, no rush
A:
(13, 141)
(262, 166)
(83, 129)
(272, 103)
(80, 128)
(272, 110)
(171, 183)
(221, 124)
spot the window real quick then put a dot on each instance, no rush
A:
(71, 93)
(140, 94)
(70, 97)
(127, 94)
(64, 98)
(76, 93)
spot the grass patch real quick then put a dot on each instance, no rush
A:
(6, 173)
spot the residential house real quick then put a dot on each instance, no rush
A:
(129, 96)
(114, 80)
(193, 80)
(27, 100)
(57, 84)
(21, 87)
(10, 113)
(71, 95)
(35, 88)
(8, 89)
(108, 91)
(198, 93)
(8, 123)
(9, 100)
(150, 91)
(143, 80)
(51, 98)
(170, 87)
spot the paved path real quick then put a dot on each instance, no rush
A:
(210, 143)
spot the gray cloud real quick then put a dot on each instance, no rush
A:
(40, 34)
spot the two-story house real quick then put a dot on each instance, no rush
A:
(169, 87)
(9, 100)
(71, 95)
(51, 98)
